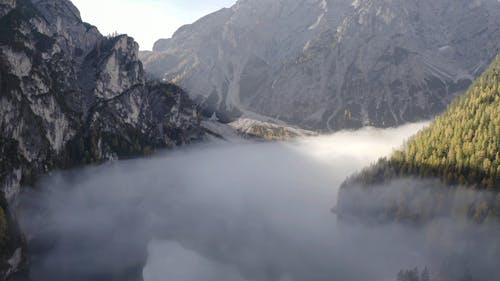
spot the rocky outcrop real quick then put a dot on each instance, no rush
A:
(331, 64)
(69, 96)
(268, 131)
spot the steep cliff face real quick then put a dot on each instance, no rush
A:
(331, 64)
(69, 96)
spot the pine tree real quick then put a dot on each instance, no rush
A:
(425, 275)
(461, 147)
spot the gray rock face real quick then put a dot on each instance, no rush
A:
(69, 96)
(332, 64)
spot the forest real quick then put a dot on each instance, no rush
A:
(461, 148)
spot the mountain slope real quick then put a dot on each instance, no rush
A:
(331, 64)
(69, 96)
(461, 147)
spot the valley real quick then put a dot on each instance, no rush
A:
(270, 140)
(223, 211)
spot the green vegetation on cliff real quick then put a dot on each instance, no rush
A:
(3, 227)
(462, 146)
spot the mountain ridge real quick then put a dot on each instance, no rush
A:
(68, 97)
(341, 65)
(461, 149)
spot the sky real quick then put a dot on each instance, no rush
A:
(146, 20)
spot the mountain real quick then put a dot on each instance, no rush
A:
(268, 131)
(331, 64)
(461, 148)
(70, 96)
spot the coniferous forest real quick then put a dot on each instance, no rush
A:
(461, 148)
(208, 140)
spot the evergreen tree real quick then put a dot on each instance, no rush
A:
(461, 147)
(425, 275)
(3, 227)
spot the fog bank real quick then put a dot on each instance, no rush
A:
(212, 212)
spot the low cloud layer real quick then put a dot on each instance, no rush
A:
(215, 212)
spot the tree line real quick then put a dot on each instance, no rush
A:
(461, 147)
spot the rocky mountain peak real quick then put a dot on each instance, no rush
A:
(55, 10)
(70, 96)
(330, 64)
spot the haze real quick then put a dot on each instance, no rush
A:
(235, 212)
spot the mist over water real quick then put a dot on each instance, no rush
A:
(212, 212)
